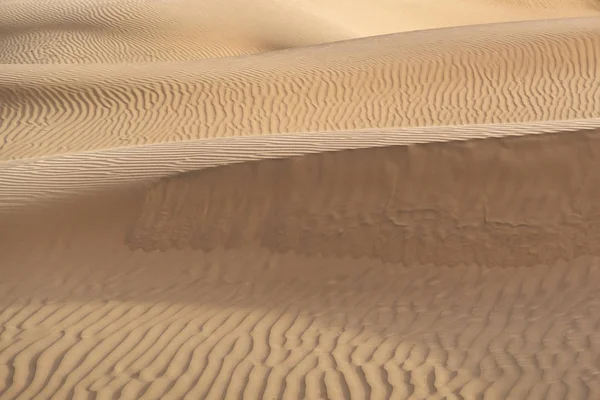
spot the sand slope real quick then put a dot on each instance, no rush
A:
(410, 216)
(46, 180)
(517, 72)
(270, 281)
(98, 31)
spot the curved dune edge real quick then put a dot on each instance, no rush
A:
(336, 248)
(423, 271)
(126, 31)
(499, 73)
(48, 179)
(510, 201)
(523, 196)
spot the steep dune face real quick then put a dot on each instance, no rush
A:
(430, 271)
(518, 72)
(445, 204)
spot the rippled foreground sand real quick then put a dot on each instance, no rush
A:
(234, 200)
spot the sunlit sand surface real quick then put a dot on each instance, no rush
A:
(299, 199)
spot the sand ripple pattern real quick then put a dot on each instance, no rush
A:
(63, 177)
(501, 73)
(140, 326)
(211, 305)
(128, 31)
(315, 223)
(134, 31)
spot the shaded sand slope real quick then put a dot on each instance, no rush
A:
(516, 72)
(99, 31)
(439, 270)
(34, 182)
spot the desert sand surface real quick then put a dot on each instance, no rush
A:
(299, 199)
(501, 73)
(99, 31)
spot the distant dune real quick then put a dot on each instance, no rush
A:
(275, 200)
(100, 31)
(514, 72)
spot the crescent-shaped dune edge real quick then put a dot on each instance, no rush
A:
(232, 208)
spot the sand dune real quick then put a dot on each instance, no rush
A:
(75, 31)
(33, 182)
(438, 270)
(408, 216)
(97, 31)
(517, 72)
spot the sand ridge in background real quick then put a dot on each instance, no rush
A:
(411, 216)
(501, 73)
(34, 182)
(101, 31)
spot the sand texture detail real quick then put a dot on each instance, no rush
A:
(134, 31)
(515, 72)
(299, 199)
(422, 271)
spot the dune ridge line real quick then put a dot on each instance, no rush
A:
(23, 181)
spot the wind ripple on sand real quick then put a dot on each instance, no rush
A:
(501, 73)
(84, 316)
(356, 329)
(128, 31)
(433, 266)
(48, 179)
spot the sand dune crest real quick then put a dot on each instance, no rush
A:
(462, 307)
(25, 183)
(518, 72)
(101, 31)
(208, 200)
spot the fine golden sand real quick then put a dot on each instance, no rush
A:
(299, 199)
